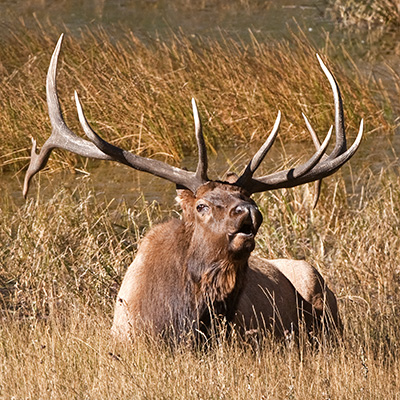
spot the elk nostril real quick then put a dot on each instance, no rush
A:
(249, 214)
(241, 209)
(245, 209)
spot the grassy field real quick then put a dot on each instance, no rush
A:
(63, 256)
(138, 94)
(63, 259)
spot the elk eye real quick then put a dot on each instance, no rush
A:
(201, 208)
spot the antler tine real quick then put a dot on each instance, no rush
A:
(319, 165)
(113, 151)
(61, 136)
(340, 145)
(314, 136)
(317, 192)
(260, 155)
(202, 165)
(313, 161)
(262, 152)
(317, 144)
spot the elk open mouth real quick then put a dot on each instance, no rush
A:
(242, 236)
(246, 230)
(242, 240)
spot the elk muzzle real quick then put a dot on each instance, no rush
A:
(247, 219)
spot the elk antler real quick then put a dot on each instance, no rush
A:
(62, 137)
(318, 166)
(181, 177)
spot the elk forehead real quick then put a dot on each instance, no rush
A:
(222, 193)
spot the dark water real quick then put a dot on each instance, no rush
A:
(152, 18)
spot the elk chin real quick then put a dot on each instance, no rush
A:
(241, 244)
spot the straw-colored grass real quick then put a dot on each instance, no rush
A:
(138, 94)
(370, 12)
(62, 260)
(62, 257)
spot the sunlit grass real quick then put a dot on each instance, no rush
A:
(63, 260)
(138, 94)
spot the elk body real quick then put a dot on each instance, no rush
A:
(188, 271)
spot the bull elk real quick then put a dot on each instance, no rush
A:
(189, 270)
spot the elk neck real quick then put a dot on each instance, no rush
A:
(220, 226)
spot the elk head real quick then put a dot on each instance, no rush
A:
(225, 215)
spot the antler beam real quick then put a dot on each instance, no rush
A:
(62, 137)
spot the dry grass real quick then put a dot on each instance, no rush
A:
(370, 12)
(138, 94)
(63, 259)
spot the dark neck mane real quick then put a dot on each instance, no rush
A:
(214, 281)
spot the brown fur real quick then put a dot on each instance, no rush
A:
(185, 268)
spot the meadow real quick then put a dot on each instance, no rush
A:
(63, 255)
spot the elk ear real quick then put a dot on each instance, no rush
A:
(186, 200)
(231, 177)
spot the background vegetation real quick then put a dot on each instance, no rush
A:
(63, 255)
(370, 12)
(138, 94)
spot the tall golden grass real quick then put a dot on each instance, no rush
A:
(138, 94)
(62, 258)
